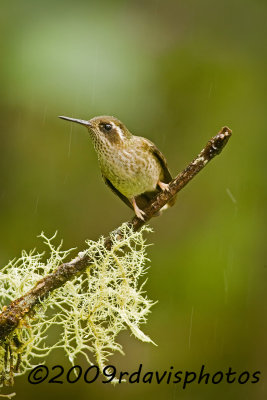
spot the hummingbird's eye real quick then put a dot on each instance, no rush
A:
(108, 127)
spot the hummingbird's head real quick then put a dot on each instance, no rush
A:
(104, 128)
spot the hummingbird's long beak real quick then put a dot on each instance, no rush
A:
(79, 121)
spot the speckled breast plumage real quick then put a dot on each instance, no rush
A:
(129, 168)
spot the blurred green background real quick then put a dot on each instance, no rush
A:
(175, 72)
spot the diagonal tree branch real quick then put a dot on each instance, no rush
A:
(14, 313)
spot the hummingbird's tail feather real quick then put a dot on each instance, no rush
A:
(169, 204)
(172, 201)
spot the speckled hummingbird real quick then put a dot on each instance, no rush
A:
(132, 166)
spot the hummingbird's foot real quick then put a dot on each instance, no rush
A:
(138, 212)
(164, 186)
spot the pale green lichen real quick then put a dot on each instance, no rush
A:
(88, 311)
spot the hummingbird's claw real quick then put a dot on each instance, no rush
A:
(138, 212)
(164, 186)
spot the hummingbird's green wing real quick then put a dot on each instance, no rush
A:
(166, 172)
(114, 190)
(160, 157)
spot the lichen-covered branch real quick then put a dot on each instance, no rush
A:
(13, 314)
